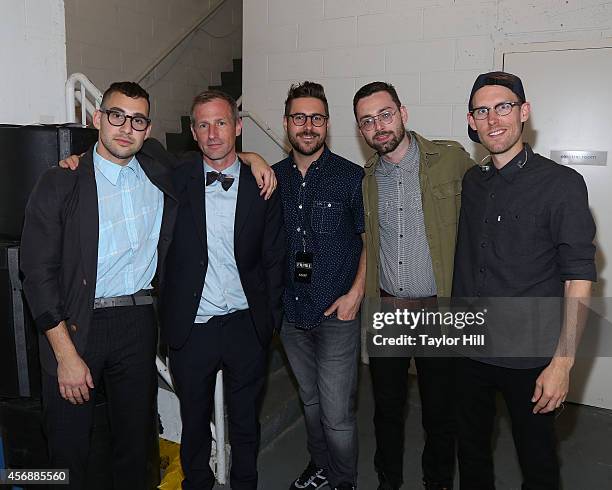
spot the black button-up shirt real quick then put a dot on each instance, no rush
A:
(323, 216)
(523, 230)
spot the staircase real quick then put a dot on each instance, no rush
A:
(231, 83)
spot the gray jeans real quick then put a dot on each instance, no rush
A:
(324, 362)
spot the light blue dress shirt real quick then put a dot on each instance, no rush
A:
(222, 293)
(130, 212)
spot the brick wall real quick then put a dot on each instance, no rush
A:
(431, 50)
(33, 61)
(114, 40)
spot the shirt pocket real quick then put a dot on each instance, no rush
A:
(519, 235)
(325, 216)
(447, 199)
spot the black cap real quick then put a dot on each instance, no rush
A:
(502, 78)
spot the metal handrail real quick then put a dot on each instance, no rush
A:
(265, 127)
(88, 95)
(194, 27)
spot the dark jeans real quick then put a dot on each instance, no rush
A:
(436, 388)
(534, 435)
(227, 342)
(121, 350)
(324, 361)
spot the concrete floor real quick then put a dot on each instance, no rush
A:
(585, 436)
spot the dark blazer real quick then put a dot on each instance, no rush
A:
(259, 249)
(59, 247)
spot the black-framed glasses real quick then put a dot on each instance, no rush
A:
(501, 109)
(317, 120)
(117, 118)
(369, 123)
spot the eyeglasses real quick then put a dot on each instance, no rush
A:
(501, 109)
(117, 118)
(369, 123)
(299, 119)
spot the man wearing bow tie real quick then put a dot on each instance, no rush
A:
(221, 300)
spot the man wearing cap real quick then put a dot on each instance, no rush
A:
(411, 192)
(525, 231)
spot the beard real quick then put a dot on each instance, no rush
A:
(392, 144)
(117, 151)
(305, 150)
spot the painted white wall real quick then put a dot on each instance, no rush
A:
(33, 61)
(114, 40)
(431, 50)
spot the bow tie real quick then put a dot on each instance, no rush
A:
(226, 180)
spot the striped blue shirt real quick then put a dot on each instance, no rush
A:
(130, 211)
(222, 293)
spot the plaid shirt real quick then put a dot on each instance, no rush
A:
(130, 211)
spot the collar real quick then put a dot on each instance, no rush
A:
(110, 170)
(386, 167)
(232, 171)
(319, 162)
(513, 167)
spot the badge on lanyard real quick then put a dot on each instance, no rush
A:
(303, 267)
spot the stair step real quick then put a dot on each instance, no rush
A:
(231, 78)
(235, 90)
(237, 66)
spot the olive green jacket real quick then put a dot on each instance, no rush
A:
(442, 165)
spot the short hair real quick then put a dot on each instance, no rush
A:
(129, 89)
(372, 88)
(210, 95)
(306, 89)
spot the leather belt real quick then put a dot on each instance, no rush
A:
(408, 303)
(139, 298)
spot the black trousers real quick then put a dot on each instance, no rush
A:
(436, 388)
(534, 435)
(121, 351)
(227, 342)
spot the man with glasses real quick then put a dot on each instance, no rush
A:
(93, 239)
(411, 193)
(323, 210)
(525, 231)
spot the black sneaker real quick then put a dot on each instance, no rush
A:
(312, 477)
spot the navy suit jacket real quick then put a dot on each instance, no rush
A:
(259, 249)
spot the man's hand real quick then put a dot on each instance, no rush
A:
(346, 306)
(74, 379)
(552, 385)
(73, 376)
(263, 173)
(71, 162)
